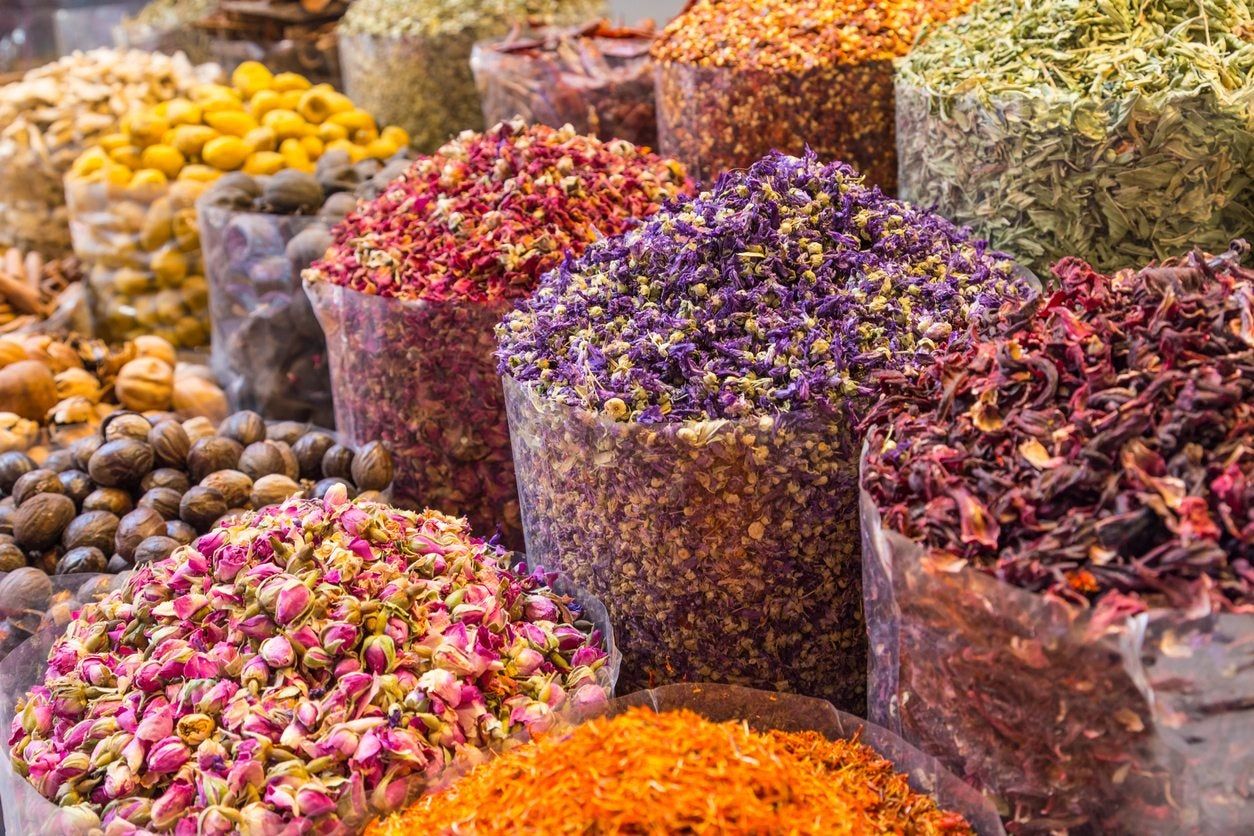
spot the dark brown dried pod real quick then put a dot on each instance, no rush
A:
(122, 462)
(155, 548)
(12, 466)
(217, 452)
(320, 489)
(201, 507)
(261, 459)
(273, 489)
(286, 431)
(170, 444)
(35, 482)
(83, 448)
(165, 501)
(114, 500)
(246, 427)
(180, 531)
(309, 450)
(41, 519)
(134, 528)
(97, 529)
(76, 484)
(125, 424)
(372, 467)
(338, 462)
(59, 461)
(11, 557)
(24, 590)
(82, 559)
(236, 487)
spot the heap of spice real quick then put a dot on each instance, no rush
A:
(737, 79)
(597, 78)
(1118, 130)
(59, 110)
(408, 61)
(1088, 460)
(677, 772)
(302, 668)
(682, 397)
(39, 295)
(417, 279)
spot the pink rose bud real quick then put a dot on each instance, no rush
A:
(168, 755)
(380, 654)
(540, 608)
(172, 804)
(314, 801)
(278, 652)
(527, 661)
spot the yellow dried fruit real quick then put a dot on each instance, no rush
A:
(317, 105)
(355, 152)
(190, 140)
(231, 122)
(252, 77)
(169, 266)
(354, 120)
(313, 146)
(395, 134)
(149, 177)
(89, 162)
(294, 155)
(263, 102)
(225, 153)
(365, 136)
(183, 112)
(220, 104)
(146, 127)
(329, 132)
(199, 173)
(264, 162)
(127, 155)
(116, 174)
(291, 81)
(164, 158)
(285, 123)
(261, 139)
(110, 141)
(205, 92)
(380, 149)
(290, 99)
(186, 233)
(145, 383)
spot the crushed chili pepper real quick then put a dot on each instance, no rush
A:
(677, 772)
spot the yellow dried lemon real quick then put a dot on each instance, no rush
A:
(295, 155)
(261, 139)
(329, 132)
(164, 158)
(127, 155)
(355, 152)
(381, 148)
(264, 162)
(169, 266)
(316, 105)
(231, 122)
(291, 81)
(313, 146)
(205, 92)
(183, 112)
(191, 139)
(110, 141)
(199, 173)
(263, 102)
(147, 128)
(285, 123)
(396, 135)
(149, 177)
(251, 77)
(354, 120)
(116, 174)
(225, 153)
(91, 161)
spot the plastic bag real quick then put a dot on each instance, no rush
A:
(421, 377)
(1044, 176)
(713, 119)
(596, 78)
(269, 352)
(89, 26)
(1073, 718)
(50, 606)
(140, 249)
(724, 551)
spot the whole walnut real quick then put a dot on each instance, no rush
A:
(153, 346)
(28, 389)
(145, 383)
(195, 397)
(78, 383)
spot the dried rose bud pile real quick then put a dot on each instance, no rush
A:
(680, 401)
(302, 667)
(416, 280)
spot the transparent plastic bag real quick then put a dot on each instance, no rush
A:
(140, 250)
(597, 78)
(1072, 718)
(1044, 176)
(421, 377)
(90, 26)
(50, 606)
(724, 551)
(713, 119)
(269, 353)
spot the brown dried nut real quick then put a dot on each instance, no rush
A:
(11, 352)
(52, 352)
(291, 467)
(166, 477)
(36, 482)
(124, 424)
(320, 489)
(28, 389)
(145, 383)
(59, 461)
(7, 510)
(122, 462)
(158, 547)
(24, 590)
(236, 487)
(309, 450)
(162, 500)
(45, 561)
(12, 466)
(97, 529)
(290, 191)
(83, 448)
(114, 500)
(262, 458)
(196, 397)
(180, 531)
(286, 431)
(11, 557)
(372, 496)
(116, 564)
(83, 559)
(338, 462)
(273, 489)
(76, 484)
(246, 427)
(201, 507)
(198, 428)
(214, 453)
(152, 346)
(134, 528)
(170, 444)
(372, 467)
(38, 523)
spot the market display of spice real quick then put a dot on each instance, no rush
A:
(739, 78)
(559, 430)
(300, 667)
(1060, 562)
(681, 402)
(1119, 131)
(597, 78)
(417, 279)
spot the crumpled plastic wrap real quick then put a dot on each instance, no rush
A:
(1071, 718)
(421, 377)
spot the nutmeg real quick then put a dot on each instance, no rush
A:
(198, 428)
(24, 590)
(83, 448)
(157, 547)
(372, 496)
(7, 510)
(91, 528)
(262, 458)
(124, 424)
(134, 528)
(170, 444)
(82, 559)
(213, 453)
(245, 426)
(323, 485)
(273, 489)
(166, 477)
(12, 466)
(309, 450)
(114, 500)
(286, 431)
(122, 462)
(236, 487)
(372, 467)
(180, 531)
(11, 557)
(60, 460)
(35, 482)
(162, 500)
(145, 383)
(201, 506)
(28, 389)
(338, 462)
(76, 484)
(38, 523)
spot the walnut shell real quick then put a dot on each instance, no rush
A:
(166, 477)
(213, 453)
(236, 487)
(170, 444)
(164, 501)
(309, 450)
(96, 529)
(145, 383)
(273, 489)
(201, 507)
(38, 523)
(372, 467)
(195, 397)
(122, 462)
(35, 482)
(134, 528)
(114, 500)
(153, 346)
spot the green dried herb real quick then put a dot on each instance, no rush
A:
(1119, 129)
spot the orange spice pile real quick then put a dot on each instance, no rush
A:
(675, 772)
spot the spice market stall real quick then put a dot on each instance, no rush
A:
(1058, 533)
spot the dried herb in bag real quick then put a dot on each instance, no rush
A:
(737, 79)
(1119, 131)
(1059, 520)
(416, 280)
(680, 404)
